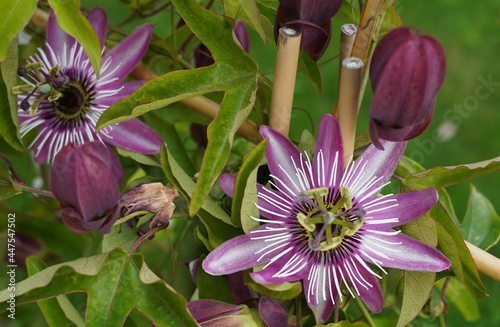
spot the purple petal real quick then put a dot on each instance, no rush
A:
(382, 163)
(410, 254)
(242, 34)
(406, 207)
(73, 178)
(129, 52)
(56, 37)
(320, 290)
(240, 292)
(127, 90)
(281, 155)
(238, 254)
(226, 182)
(372, 296)
(273, 313)
(266, 275)
(134, 135)
(329, 147)
(205, 310)
(99, 22)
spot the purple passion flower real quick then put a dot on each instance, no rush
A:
(406, 73)
(326, 226)
(70, 117)
(85, 180)
(313, 19)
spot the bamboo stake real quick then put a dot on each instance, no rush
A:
(347, 36)
(199, 104)
(287, 59)
(485, 262)
(350, 83)
(366, 25)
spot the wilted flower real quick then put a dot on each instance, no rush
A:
(406, 72)
(70, 98)
(325, 225)
(85, 180)
(313, 19)
(154, 197)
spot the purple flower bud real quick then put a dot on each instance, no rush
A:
(241, 33)
(312, 17)
(84, 179)
(406, 72)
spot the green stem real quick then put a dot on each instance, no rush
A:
(132, 215)
(364, 311)
(441, 321)
(31, 189)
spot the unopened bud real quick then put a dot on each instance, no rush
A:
(406, 72)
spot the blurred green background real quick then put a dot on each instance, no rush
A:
(465, 125)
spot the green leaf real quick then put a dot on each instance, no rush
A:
(57, 311)
(119, 237)
(141, 158)
(310, 69)
(245, 190)
(8, 109)
(464, 269)
(248, 11)
(233, 72)
(417, 288)
(186, 185)
(218, 231)
(7, 191)
(14, 15)
(212, 287)
(481, 224)
(71, 20)
(391, 20)
(439, 177)
(115, 283)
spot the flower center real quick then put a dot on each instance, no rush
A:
(72, 100)
(328, 224)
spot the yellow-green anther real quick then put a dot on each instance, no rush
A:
(345, 194)
(54, 96)
(320, 191)
(21, 89)
(334, 243)
(53, 71)
(35, 66)
(353, 229)
(302, 221)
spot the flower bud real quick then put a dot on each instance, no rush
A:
(406, 72)
(312, 17)
(84, 179)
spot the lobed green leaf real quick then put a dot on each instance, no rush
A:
(115, 282)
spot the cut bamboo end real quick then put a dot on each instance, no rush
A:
(485, 262)
(366, 26)
(350, 84)
(287, 58)
(347, 37)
